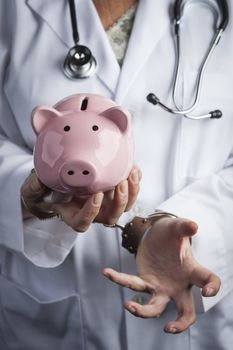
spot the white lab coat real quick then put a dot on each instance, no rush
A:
(52, 293)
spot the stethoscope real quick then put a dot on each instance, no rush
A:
(80, 62)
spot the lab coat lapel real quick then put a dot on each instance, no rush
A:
(56, 14)
(152, 18)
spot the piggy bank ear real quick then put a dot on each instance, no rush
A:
(118, 116)
(41, 116)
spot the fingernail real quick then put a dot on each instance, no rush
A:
(134, 177)
(173, 330)
(106, 274)
(132, 309)
(123, 188)
(209, 292)
(97, 198)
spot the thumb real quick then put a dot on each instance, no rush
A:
(185, 227)
(33, 188)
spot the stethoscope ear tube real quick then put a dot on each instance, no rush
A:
(152, 98)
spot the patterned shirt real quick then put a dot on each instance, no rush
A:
(119, 33)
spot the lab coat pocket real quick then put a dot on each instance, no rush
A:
(29, 324)
(206, 144)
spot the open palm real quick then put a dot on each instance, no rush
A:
(167, 271)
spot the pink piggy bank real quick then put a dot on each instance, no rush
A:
(84, 144)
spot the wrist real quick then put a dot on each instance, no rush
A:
(134, 231)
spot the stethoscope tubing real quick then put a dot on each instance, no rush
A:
(152, 98)
(199, 82)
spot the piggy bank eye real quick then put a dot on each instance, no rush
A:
(67, 128)
(95, 128)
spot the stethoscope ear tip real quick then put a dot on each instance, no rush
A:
(152, 99)
(217, 114)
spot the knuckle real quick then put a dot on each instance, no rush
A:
(122, 204)
(134, 189)
(122, 201)
(120, 211)
(89, 215)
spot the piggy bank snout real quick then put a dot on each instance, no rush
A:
(77, 174)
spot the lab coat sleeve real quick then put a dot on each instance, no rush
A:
(44, 243)
(209, 202)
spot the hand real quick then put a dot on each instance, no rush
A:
(80, 213)
(167, 271)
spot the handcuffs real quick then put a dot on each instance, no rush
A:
(134, 230)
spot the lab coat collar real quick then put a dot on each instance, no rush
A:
(56, 14)
(152, 18)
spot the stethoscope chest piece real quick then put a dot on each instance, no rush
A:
(79, 63)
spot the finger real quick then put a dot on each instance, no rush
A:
(129, 281)
(207, 280)
(186, 313)
(133, 186)
(184, 227)
(80, 218)
(118, 205)
(154, 308)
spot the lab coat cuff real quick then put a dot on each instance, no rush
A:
(47, 243)
(10, 208)
(44, 243)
